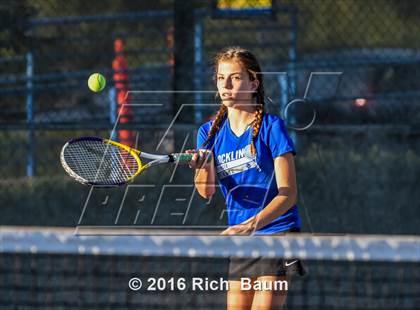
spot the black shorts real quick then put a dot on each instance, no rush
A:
(264, 266)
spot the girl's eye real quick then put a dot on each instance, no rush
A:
(219, 78)
(237, 78)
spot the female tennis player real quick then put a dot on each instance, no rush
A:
(251, 154)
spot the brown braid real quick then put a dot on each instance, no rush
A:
(259, 114)
(259, 110)
(216, 124)
(249, 62)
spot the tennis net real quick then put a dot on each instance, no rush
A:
(54, 268)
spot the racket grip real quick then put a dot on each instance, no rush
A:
(182, 158)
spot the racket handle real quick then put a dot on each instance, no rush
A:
(182, 158)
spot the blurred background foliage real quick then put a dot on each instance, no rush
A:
(351, 23)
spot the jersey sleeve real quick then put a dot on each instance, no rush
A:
(278, 139)
(202, 137)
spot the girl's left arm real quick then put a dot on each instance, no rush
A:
(284, 167)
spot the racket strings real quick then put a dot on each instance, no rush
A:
(100, 163)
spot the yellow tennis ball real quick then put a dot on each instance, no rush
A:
(96, 82)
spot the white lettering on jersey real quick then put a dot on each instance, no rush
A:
(234, 162)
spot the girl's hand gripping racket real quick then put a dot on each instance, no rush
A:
(103, 162)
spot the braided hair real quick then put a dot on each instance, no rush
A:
(249, 62)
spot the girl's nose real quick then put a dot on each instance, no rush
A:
(228, 83)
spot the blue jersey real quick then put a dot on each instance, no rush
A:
(248, 182)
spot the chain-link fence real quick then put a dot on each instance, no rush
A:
(353, 66)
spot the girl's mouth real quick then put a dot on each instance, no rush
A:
(227, 96)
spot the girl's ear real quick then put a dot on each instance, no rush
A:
(254, 84)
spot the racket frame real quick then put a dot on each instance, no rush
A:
(137, 154)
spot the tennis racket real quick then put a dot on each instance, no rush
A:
(103, 162)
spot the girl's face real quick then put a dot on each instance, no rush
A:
(233, 83)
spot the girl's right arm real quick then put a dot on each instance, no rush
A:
(205, 176)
